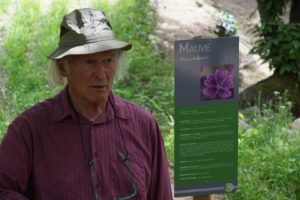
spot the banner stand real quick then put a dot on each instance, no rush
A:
(206, 117)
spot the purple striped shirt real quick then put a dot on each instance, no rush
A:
(42, 155)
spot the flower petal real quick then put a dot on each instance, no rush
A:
(221, 74)
(210, 92)
(224, 93)
(228, 82)
(210, 81)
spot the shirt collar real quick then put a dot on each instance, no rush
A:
(119, 105)
(62, 107)
(115, 107)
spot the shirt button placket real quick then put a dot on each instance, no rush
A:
(94, 152)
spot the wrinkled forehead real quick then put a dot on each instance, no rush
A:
(98, 55)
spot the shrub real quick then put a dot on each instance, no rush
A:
(226, 25)
(269, 156)
(27, 42)
(279, 44)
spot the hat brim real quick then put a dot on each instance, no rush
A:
(90, 48)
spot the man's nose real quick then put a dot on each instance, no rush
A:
(100, 69)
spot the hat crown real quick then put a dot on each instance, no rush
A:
(86, 31)
(83, 26)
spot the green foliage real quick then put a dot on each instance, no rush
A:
(16, 45)
(226, 25)
(277, 42)
(27, 41)
(4, 5)
(269, 156)
(271, 9)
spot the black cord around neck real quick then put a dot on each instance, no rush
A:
(119, 126)
(90, 161)
(80, 129)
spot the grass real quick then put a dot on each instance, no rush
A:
(269, 166)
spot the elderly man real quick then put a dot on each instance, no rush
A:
(85, 143)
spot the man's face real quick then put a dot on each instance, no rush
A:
(90, 77)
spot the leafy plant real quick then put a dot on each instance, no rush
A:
(281, 49)
(269, 166)
(226, 25)
(277, 42)
(4, 5)
(24, 63)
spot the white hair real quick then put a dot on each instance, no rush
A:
(55, 76)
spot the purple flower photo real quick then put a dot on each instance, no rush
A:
(218, 84)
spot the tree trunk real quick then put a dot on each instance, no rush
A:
(260, 10)
(295, 11)
(270, 9)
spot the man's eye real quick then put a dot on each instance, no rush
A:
(107, 61)
(89, 62)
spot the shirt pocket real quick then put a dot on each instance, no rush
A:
(120, 179)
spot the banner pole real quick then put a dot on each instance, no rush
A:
(203, 197)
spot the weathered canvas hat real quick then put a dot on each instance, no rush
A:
(86, 31)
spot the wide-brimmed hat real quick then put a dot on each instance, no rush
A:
(86, 31)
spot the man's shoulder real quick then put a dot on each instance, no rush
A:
(131, 109)
(38, 111)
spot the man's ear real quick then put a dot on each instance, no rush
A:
(61, 64)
